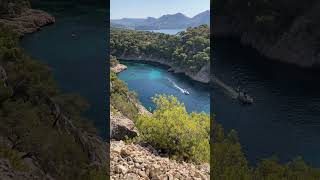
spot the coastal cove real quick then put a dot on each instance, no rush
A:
(167, 31)
(55, 46)
(148, 79)
(284, 118)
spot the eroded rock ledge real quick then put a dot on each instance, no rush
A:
(118, 68)
(28, 21)
(297, 43)
(202, 76)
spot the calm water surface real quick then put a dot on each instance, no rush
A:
(148, 80)
(285, 117)
(167, 31)
(78, 64)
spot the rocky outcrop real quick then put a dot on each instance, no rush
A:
(118, 68)
(202, 76)
(7, 172)
(92, 144)
(121, 127)
(27, 21)
(133, 161)
(297, 42)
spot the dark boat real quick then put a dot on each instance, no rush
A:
(244, 98)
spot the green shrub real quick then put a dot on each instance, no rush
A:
(121, 98)
(171, 129)
(228, 162)
(13, 157)
(26, 119)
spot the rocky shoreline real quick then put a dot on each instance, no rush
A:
(118, 68)
(28, 21)
(297, 44)
(202, 76)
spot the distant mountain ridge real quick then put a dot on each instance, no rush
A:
(169, 21)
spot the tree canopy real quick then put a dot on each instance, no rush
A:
(189, 49)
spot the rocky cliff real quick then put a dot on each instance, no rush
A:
(18, 16)
(90, 143)
(284, 31)
(60, 137)
(202, 76)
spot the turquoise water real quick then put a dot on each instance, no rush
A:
(167, 31)
(150, 79)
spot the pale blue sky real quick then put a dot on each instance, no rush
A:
(156, 8)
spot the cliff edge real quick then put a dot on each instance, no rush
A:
(289, 33)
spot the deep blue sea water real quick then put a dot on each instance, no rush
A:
(285, 117)
(78, 63)
(151, 79)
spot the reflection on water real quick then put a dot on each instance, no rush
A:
(285, 117)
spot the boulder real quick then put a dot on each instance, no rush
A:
(122, 127)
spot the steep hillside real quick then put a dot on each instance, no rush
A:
(169, 21)
(288, 31)
(187, 52)
(43, 134)
(202, 18)
(20, 18)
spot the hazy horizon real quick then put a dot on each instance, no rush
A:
(156, 17)
(156, 8)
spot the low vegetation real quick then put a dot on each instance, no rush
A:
(27, 127)
(113, 61)
(121, 99)
(173, 130)
(228, 162)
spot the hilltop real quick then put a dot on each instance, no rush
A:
(169, 21)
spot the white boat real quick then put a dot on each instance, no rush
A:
(186, 92)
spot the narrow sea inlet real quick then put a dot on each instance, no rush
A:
(284, 118)
(148, 80)
(75, 61)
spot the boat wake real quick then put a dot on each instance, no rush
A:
(184, 91)
(236, 94)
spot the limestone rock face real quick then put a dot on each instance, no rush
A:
(132, 161)
(118, 68)
(28, 21)
(202, 76)
(122, 127)
(297, 43)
